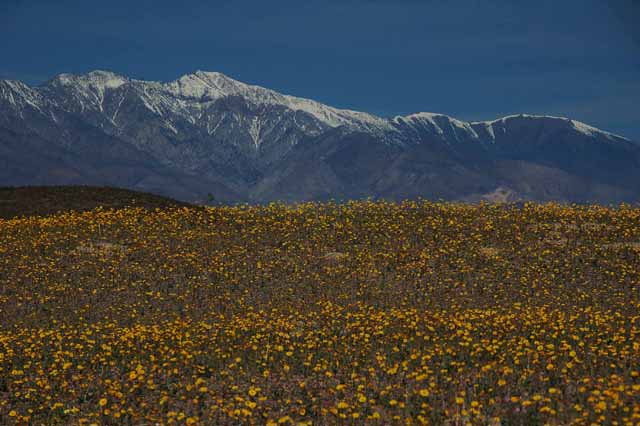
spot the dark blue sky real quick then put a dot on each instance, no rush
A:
(471, 59)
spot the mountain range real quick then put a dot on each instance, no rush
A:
(207, 136)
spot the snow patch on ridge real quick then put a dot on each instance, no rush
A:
(20, 95)
(576, 125)
(438, 122)
(592, 131)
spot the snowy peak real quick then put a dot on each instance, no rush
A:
(207, 84)
(82, 92)
(204, 86)
(98, 80)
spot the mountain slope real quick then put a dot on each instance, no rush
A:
(207, 133)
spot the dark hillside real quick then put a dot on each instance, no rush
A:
(46, 200)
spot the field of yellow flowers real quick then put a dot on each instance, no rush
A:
(368, 313)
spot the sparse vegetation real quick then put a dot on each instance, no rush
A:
(362, 313)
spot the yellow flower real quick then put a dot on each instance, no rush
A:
(102, 402)
(424, 392)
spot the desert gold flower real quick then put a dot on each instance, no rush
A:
(362, 312)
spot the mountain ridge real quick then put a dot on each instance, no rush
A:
(210, 80)
(237, 137)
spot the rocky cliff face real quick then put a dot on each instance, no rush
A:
(206, 133)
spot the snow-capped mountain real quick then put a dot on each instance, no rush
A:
(208, 133)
